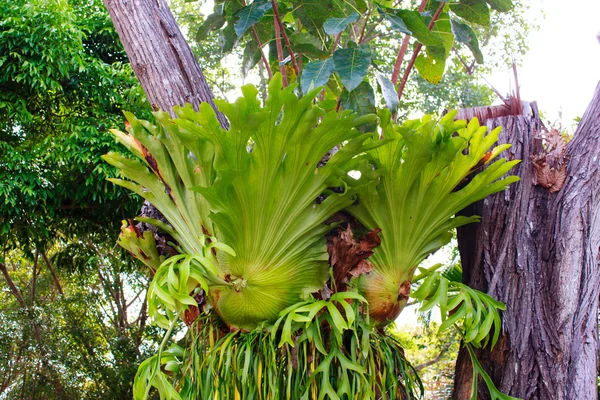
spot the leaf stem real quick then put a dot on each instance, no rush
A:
(280, 50)
(260, 46)
(403, 48)
(286, 39)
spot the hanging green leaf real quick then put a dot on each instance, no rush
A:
(431, 63)
(315, 74)
(333, 26)
(397, 22)
(250, 15)
(475, 11)
(212, 22)
(465, 34)
(352, 64)
(252, 55)
(362, 101)
(388, 92)
(500, 5)
(412, 23)
(228, 38)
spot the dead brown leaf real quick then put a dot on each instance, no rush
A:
(348, 258)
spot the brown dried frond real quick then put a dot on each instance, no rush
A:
(549, 160)
(348, 257)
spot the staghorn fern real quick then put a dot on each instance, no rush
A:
(416, 196)
(242, 210)
(261, 203)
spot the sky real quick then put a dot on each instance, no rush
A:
(562, 68)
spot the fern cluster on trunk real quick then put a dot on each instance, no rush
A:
(253, 278)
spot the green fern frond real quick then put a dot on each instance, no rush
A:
(255, 188)
(416, 196)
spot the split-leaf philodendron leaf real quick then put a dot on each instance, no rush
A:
(252, 187)
(416, 196)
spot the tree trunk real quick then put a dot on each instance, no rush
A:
(159, 55)
(537, 250)
(163, 63)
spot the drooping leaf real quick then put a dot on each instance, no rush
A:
(431, 63)
(315, 74)
(228, 38)
(388, 92)
(412, 23)
(362, 101)
(252, 55)
(352, 64)
(333, 26)
(212, 22)
(500, 5)
(250, 15)
(464, 34)
(396, 21)
(475, 11)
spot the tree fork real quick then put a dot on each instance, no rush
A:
(538, 252)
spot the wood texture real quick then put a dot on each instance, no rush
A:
(539, 253)
(159, 55)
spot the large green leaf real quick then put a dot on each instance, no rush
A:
(464, 34)
(412, 23)
(416, 197)
(315, 74)
(252, 55)
(263, 202)
(362, 101)
(431, 63)
(475, 11)
(212, 22)
(314, 13)
(333, 26)
(250, 15)
(228, 38)
(352, 64)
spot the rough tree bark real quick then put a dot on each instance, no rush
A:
(159, 55)
(538, 251)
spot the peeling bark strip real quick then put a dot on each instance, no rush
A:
(538, 252)
(159, 54)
